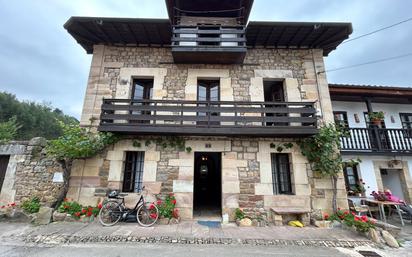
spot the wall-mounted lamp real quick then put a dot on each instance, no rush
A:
(356, 116)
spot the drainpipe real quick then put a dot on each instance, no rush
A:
(317, 85)
(368, 102)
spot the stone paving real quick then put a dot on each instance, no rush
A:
(186, 232)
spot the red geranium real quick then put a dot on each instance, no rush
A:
(89, 213)
(77, 214)
(153, 215)
(357, 218)
(90, 209)
(171, 194)
(175, 213)
(151, 207)
(84, 211)
(174, 201)
(326, 216)
(100, 205)
(159, 202)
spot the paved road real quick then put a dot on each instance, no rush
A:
(172, 250)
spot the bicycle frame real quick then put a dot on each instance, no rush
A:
(126, 211)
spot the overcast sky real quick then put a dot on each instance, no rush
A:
(39, 60)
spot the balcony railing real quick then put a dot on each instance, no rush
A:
(377, 140)
(208, 44)
(183, 117)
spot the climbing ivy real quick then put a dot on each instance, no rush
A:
(75, 143)
(173, 142)
(323, 153)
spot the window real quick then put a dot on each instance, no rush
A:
(281, 174)
(341, 119)
(142, 90)
(406, 119)
(133, 172)
(208, 91)
(351, 178)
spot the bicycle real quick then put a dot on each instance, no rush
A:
(113, 210)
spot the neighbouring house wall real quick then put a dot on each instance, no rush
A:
(29, 173)
(390, 110)
(369, 171)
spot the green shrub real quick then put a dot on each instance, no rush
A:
(239, 214)
(70, 207)
(32, 205)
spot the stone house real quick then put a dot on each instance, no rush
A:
(210, 107)
(384, 149)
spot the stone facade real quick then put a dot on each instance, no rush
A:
(246, 164)
(29, 173)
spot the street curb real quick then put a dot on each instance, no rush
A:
(68, 239)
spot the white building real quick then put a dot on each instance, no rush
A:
(385, 150)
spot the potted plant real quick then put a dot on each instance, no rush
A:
(376, 117)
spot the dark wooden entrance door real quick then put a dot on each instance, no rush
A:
(142, 90)
(273, 92)
(207, 181)
(4, 161)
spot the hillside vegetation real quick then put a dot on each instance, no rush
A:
(30, 119)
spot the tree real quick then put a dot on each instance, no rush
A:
(323, 153)
(75, 143)
(8, 130)
(36, 120)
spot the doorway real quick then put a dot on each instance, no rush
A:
(207, 195)
(391, 179)
(273, 92)
(4, 162)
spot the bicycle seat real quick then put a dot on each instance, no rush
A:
(113, 194)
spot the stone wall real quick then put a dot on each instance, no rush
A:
(246, 165)
(29, 173)
(105, 78)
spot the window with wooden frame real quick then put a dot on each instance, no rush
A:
(351, 177)
(142, 90)
(341, 119)
(133, 172)
(281, 174)
(406, 119)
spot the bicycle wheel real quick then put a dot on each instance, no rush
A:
(147, 214)
(110, 213)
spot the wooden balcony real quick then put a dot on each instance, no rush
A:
(177, 117)
(376, 140)
(208, 44)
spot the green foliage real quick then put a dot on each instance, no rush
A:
(322, 150)
(376, 116)
(239, 214)
(8, 130)
(136, 144)
(188, 149)
(70, 207)
(77, 142)
(167, 207)
(77, 210)
(32, 205)
(36, 120)
(361, 223)
(281, 147)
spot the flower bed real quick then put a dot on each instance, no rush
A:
(361, 223)
(168, 213)
(72, 210)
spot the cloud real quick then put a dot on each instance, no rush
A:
(39, 61)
